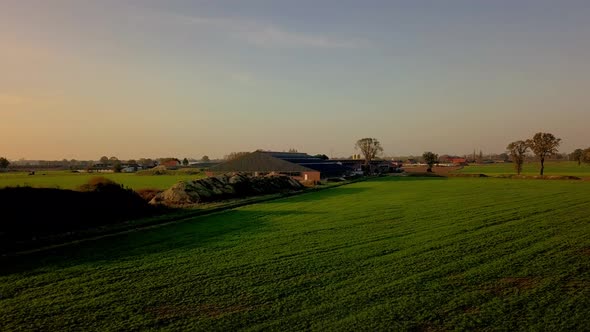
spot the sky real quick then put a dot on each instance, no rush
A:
(81, 79)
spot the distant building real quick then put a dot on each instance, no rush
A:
(203, 164)
(263, 163)
(327, 168)
(447, 160)
(170, 163)
(300, 166)
(458, 161)
(130, 168)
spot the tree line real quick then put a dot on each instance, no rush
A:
(371, 149)
(542, 145)
(580, 156)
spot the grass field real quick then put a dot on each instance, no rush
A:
(422, 254)
(551, 168)
(69, 180)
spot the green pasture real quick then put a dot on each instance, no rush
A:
(551, 168)
(70, 180)
(398, 253)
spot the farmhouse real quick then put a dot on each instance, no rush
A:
(452, 160)
(170, 162)
(459, 161)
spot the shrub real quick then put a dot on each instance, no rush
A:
(37, 213)
(100, 183)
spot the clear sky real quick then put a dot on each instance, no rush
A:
(146, 78)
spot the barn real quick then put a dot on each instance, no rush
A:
(262, 163)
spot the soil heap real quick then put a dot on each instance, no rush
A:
(223, 187)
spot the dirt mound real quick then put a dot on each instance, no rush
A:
(148, 193)
(225, 187)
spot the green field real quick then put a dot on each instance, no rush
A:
(70, 180)
(551, 168)
(421, 254)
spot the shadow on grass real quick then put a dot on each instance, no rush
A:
(31, 214)
(412, 177)
(197, 231)
(323, 193)
(351, 189)
(211, 231)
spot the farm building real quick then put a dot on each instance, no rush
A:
(459, 161)
(379, 165)
(300, 166)
(170, 162)
(261, 163)
(447, 159)
(327, 168)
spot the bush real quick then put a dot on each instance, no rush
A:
(158, 170)
(37, 213)
(100, 183)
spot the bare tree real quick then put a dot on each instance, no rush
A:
(543, 145)
(430, 159)
(479, 158)
(370, 148)
(235, 155)
(586, 155)
(577, 155)
(517, 151)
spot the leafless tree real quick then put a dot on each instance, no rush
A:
(517, 151)
(578, 156)
(586, 155)
(235, 155)
(370, 148)
(543, 145)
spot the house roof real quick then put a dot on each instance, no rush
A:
(259, 162)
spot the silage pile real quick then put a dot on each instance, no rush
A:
(223, 187)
